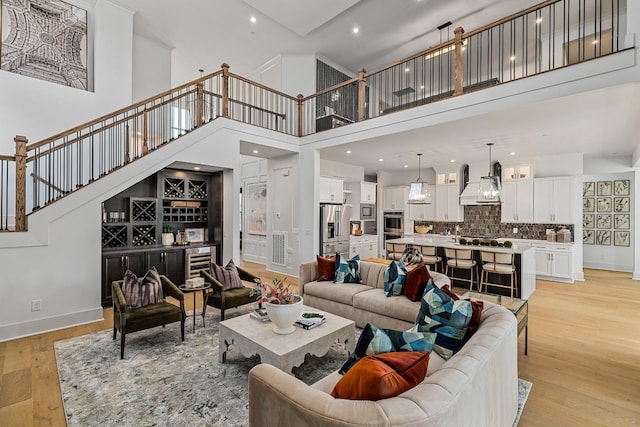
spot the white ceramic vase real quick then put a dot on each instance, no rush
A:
(284, 316)
(167, 239)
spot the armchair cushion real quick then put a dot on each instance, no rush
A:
(139, 292)
(227, 275)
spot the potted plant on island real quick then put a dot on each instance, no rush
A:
(283, 307)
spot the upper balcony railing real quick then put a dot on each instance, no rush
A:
(551, 35)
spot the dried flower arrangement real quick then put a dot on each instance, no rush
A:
(275, 293)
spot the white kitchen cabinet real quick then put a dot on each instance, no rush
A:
(553, 200)
(517, 201)
(554, 262)
(395, 198)
(366, 246)
(511, 173)
(420, 212)
(368, 192)
(330, 190)
(448, 206)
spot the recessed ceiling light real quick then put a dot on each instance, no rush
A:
(196, 168)
(595, 41)
(253, 19)
(539, 21)
(406, 166)
(452, 160)
(356, 30)
(381, 160)
(422, 87)
(406, 70)
(255, 151)
(513, 58)
(512, 153)
(348, 151)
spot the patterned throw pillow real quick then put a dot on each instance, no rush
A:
(347, 270)
(326, 268)
(144, 291)
(416, 282)
(394, 279)
(383, 376)
(374, 340)
(477, 307)
(227, 275)
(446, 317)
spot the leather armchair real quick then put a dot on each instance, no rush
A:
(223, 299)
(128, 319)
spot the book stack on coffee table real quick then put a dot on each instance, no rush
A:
(310, 319)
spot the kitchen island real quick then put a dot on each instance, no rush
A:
(524, 259)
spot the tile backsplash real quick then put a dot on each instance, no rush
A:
(484, 221)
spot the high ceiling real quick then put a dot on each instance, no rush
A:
(208, 33)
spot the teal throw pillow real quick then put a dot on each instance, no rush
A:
(374, 340)
(347, 270)
(449, 319)
(394, 279)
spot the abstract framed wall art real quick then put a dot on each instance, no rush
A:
(256, 208)
(45, 39)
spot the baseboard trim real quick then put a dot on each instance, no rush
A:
(48, 324)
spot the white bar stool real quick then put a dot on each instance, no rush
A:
(460, 259)
(430, 256)
(500, 264)
(395, 250)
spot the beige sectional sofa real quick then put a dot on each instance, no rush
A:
(478, 386)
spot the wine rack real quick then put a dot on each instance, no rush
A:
(143, 235)
(114, 236)
(174, 188)
(197, 189)
(143, 210)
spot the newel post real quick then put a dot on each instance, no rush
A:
(200, 100)
(21, 182)
(457, 68)
(300, 98)
(225, 90)
(362, 95)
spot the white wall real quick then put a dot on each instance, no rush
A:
(39, 109)
(151, 68)
(340, 170)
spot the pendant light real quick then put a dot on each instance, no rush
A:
(490, 188)
(419, 191)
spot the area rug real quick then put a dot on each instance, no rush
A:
(165, 382)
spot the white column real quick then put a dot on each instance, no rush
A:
(309, 166)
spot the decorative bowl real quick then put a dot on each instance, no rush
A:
(422, 229)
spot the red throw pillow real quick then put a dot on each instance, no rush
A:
(383, 375)
(326, 268)
(476, 305)
(416, 282)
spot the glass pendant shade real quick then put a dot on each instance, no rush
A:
(490, 187)
(490, 190)
(419, 193)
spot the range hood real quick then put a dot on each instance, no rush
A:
(470, 196)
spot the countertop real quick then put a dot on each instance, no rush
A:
(448, 242)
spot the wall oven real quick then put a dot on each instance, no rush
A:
(394, 223)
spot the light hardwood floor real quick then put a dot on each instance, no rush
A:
(584, 357)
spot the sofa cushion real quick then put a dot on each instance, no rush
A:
(336, 292)
(416, 282)
(139, 292)
(373, 274)
(394, 278)
(375, 301)
(326, 268)
(383, 376)
(447, 317)
(347, 270)
(374, 340)
(227, 275)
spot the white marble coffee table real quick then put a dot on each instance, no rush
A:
(251, 336)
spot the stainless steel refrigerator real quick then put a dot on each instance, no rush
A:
(334, 229)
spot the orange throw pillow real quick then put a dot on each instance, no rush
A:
(416, 282)
(383, 375)
(326, 268)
